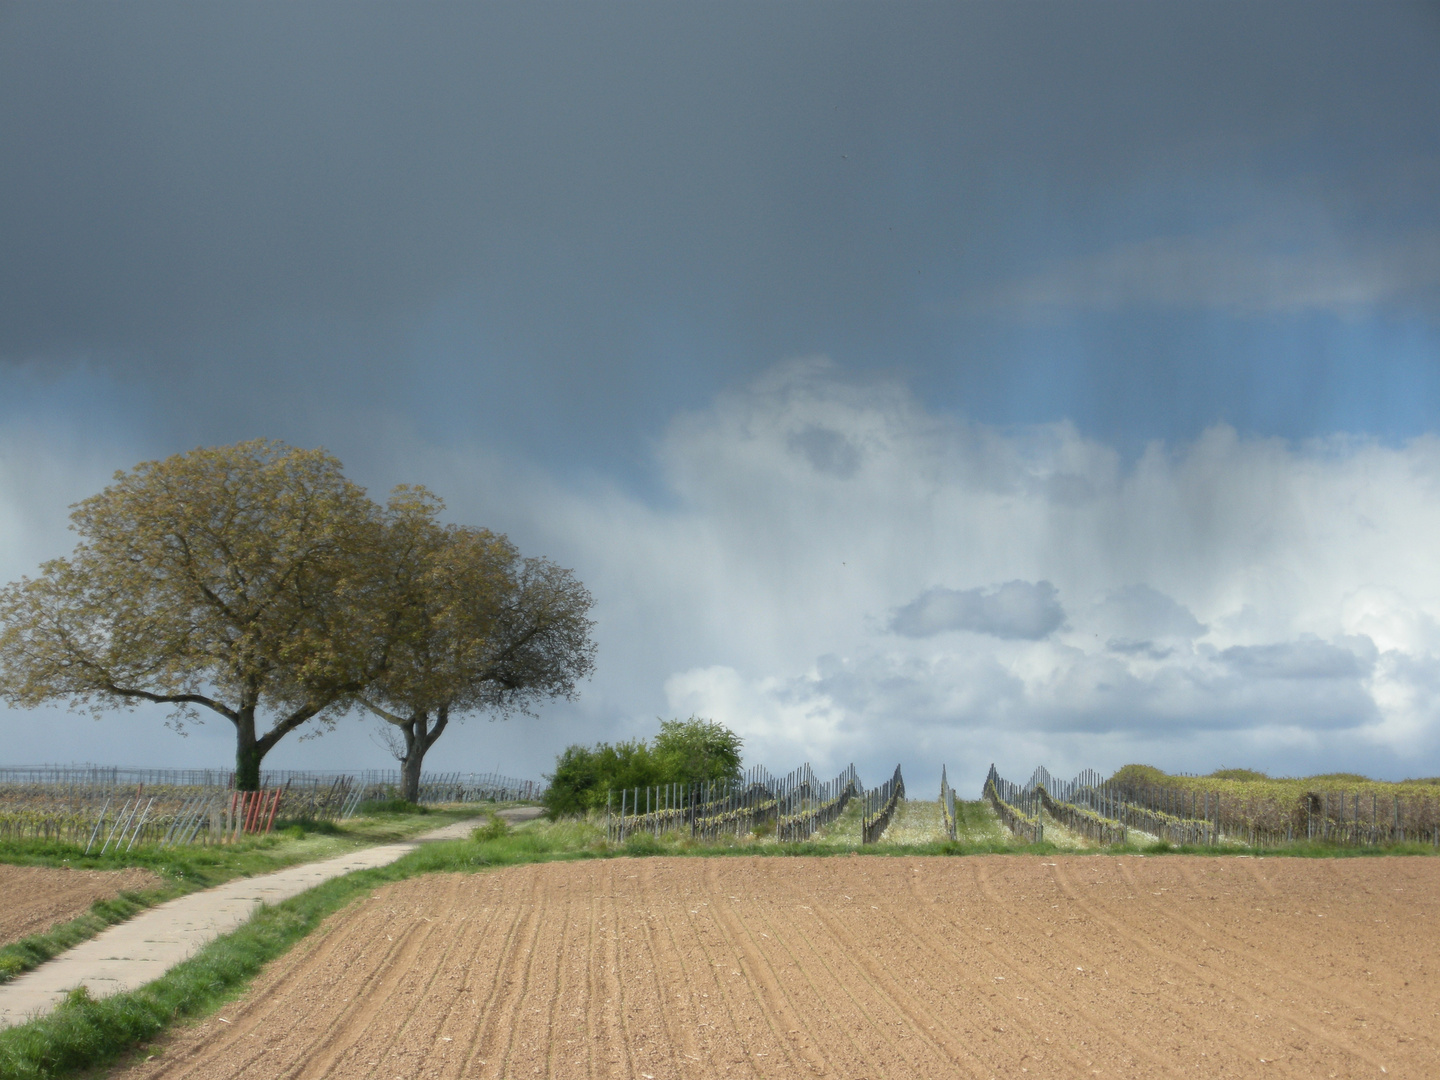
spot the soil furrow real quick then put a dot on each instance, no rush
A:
(510, 1015)
(941, 936)
(781, 1016)
(615, 1043)
(512, 924)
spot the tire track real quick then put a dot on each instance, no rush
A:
(520, 964)
(507, 961)
(470, 932)
(1017, 973)
(656, 982)
(690, 1059)
(613, 1016)
(703, 981)
(410, 1023)
(372, 997)
(594, 959)
(768, 991)
(817, 994)
(1197, 929)
(561, 992)
(1299, 945)
(876, 1002)
(714, 967)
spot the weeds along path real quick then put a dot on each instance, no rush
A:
(132, 953)
(1060, 967)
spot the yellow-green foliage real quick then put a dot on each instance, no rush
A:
(1252, 799)
(1242, 782)
(1132, 775)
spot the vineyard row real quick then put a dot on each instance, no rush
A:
(794, 807)
(1106, 811)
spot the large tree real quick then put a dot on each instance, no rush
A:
(240, 580)
(470, 626)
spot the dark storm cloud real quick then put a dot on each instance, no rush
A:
(584, 215)
(1141, 621)
(1018, 610)
(1307, 659)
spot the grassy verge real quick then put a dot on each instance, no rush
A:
(290, 843)
(187, 869)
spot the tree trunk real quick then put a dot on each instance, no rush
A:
(247, 752)
(419, 737)
(413, 759)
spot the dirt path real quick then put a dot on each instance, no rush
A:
(35, 898)
(855, 967)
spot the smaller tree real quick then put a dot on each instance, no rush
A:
(470, 626)
(695, 751)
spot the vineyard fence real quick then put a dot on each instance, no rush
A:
(797, 804)
(879, 807)
(947, 805)
(1190, 812)
(1018, 808)
(108, 808)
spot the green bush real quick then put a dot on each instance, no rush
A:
(494, 828)
(695, 751)
(1137, 776)
(684, 752)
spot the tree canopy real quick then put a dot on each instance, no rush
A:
(471, 626)
(257, 582)
(693, 751)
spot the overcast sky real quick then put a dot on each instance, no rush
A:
(1037, 383)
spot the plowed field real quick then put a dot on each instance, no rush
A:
(35, 898)
(856, 967)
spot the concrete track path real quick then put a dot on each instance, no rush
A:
(131, 954)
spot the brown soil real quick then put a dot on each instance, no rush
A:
(1000, 966)
(35, 898)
